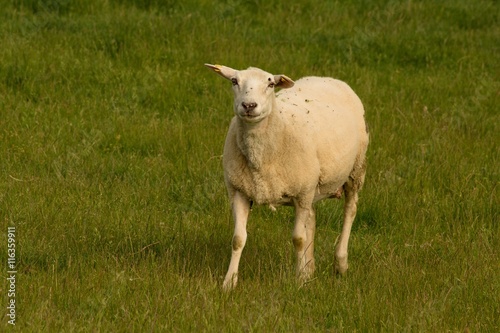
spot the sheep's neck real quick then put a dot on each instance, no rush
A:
(260, 142)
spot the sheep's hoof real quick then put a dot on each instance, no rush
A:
(304, 278)
(230, 283)
(341, 266)
(340, 271)
(306, 273)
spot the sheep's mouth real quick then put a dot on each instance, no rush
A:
(249, 116)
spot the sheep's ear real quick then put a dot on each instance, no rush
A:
(283, 81)
(225, 72)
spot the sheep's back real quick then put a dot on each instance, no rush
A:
(323, 104)
(320, 94)
(332, 115)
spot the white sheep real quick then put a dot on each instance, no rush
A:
(295, 147)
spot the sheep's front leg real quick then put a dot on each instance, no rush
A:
(350, 208)
(310, 230)
(241, 209)
(303, 241)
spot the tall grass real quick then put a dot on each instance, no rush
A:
(110, 163)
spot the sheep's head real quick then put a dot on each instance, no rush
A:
(253, 90)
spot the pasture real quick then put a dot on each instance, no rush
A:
(111, 136)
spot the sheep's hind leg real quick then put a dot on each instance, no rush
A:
(351, 189)
(241, 209)
(350, 208)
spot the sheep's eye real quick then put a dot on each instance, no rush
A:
(271, 83)
(234, 81)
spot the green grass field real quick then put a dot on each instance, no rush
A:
(111, 136)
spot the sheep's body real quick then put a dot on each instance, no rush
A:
(304, 150)
(299, 146)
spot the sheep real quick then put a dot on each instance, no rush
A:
(305, 143)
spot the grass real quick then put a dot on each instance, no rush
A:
(111, 141)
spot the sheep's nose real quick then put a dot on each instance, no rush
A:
(249, 106)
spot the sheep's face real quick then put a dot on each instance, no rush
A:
(253, 91)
